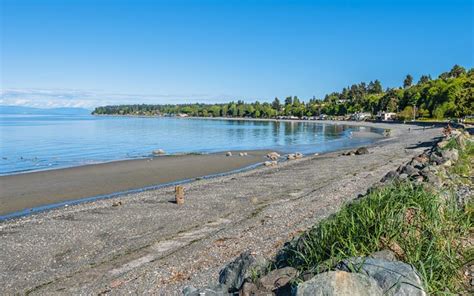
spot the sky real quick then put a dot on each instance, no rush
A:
(83, 53)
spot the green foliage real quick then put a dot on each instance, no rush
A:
(451, 95)
(422, 229)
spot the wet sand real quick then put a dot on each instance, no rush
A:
(23, 191)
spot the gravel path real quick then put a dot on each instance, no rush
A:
(151, 245)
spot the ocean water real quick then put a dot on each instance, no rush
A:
(39, 142)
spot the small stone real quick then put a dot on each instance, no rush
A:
(273, 156)
(159, 152)
(385, 255)
(403, 176)
(362, 150)
(278, 278)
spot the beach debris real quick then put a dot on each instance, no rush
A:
(316, 154)
(298, 155)
(179, 194)
(273, 156)
(243, 154)
(159, 152)
(117, 203)
(270, 163)
(228, 153)
(291, 156)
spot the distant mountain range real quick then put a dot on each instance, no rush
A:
(40, 111)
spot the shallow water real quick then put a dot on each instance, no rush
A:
(38, 142)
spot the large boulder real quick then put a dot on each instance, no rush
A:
(233, 275)
(339, 283)
(394, 277)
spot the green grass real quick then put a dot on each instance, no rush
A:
(419, 226)
(463, 167)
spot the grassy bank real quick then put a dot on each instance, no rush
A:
(423, 227)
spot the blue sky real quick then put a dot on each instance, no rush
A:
(88, 53)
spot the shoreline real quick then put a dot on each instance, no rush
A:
(32, 192)
(149, 245)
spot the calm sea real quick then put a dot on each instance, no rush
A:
(38, 142)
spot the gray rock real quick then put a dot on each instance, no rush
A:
(362, 150)
(390, 176)
(403, 176)
(218, 290)
(384, 255)
(277, 280)
(339, 283)
(410, 171)
(451, 154)
(394, 277)
(436, 159)
(233, 275)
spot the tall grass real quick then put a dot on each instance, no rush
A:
(419, 226)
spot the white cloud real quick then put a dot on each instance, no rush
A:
(53, 98)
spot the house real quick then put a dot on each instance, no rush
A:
(360, 116)
(386, 116)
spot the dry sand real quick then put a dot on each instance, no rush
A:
(149, 245)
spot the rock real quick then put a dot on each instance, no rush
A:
(316, 154)
(451, 154)
(339, 283)
(390, 176)
(159, 152)
(394, 277)
(416, 164)
(218, 290)
(384, 255)
(362, 150)
(442, 144)
(422, 158)
(410, 171)
(233, 275)
(270, 163)
(228, 153)
(248, 289)
(448, 163)
(291, 156)
(436, 159)
(277, 280)
(273, 156)
(403, 176)
(241, 154)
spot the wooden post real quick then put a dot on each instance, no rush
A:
(179, 194)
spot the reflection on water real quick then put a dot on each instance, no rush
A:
(32, 142)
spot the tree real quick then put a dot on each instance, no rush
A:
(408, 81)
(276, 104)
(457, 71)
(375, 87)
(424, 79)
(288, 101)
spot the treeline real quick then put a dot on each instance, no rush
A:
(451, 95)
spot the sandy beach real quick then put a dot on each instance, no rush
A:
(23, 191)
(148, 245)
